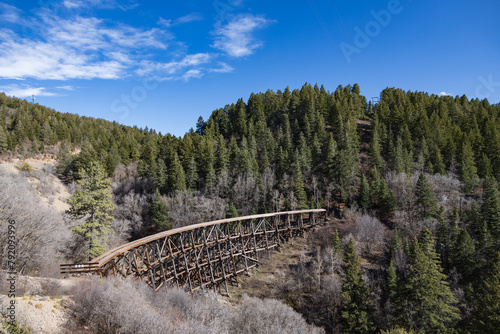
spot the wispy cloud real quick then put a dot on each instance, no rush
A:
(189, 65)
(9, 13)
(73, 3)
(181, 20)
(224, 68)
(164, 22)
(23, 91)
(192, 74)
(236, 2)
(66, 87)
(189, 18)
(77, 48)
(236, 37)
(104, 4)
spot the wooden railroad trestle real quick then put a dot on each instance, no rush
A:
(206, 255)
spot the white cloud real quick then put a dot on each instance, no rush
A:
(20, 59)
(103, 4)
(77, 48)
(192, 74)
(164, 22)
(224, 68)
(23, 91)
(444, 94)
(66, 87)
(235, 38)
(181, 20)
(9, 13)
(73, 3)
(174, 68)
(189, 18)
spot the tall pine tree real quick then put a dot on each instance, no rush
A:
(425, 198)
(425, 302)
(158, 213)
(92, 201)
(357, 310)
(491, 207)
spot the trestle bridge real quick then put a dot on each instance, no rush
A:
(207, 255)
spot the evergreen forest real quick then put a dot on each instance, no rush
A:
(416, 248)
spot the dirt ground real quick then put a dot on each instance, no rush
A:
(43, 314)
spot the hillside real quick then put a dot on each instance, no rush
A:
(418, 173)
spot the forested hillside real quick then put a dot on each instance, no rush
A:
(418, 247)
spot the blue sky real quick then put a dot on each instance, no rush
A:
(164, 64)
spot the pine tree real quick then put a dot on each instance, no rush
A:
(148, 155)
(375, 187)
(245, 158)
(200, 126)
(176, 175)
(425, 302)
(336, 241)
(64, 163)
(298, 186)
(375, 148)
(475, 219)
(484, 168)
(437, 161)
(397, 156)
(486, 317)
(158, 213)
(221, 157)
(396, 246)
(161, 177)
(387, 201)
(3, 139)
(92, 201)
(484, 241)
(357, 310)
(425, 198)
(210, 178)
(231, 211)
(347, 171)
(467, 170)
(364, 201)
(391, 293)
(491, 207)
(282, 162)
(443, 238)
(191, 175)
(392, 282)
(331, 158)
(464, 256)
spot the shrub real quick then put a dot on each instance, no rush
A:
(269, 316)
(50, 287)
(118, 305)
(14, 328)
(27, 168)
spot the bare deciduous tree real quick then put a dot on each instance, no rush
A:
(369, 232)
(40, 231)
(187, 208)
